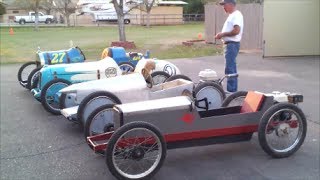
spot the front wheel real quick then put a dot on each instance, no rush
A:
(50, 95)
(126, 21)
(282, 130)
(208, 96)
(99, 121)
(136, 150)
(24, 72)
(33, 79)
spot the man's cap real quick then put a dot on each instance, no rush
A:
(223, 2)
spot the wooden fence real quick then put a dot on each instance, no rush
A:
(253, 24)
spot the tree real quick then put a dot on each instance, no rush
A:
(47, 5)
(148, 4)
(118, 6)
(66, 8)
(2, 9)
(30, 5)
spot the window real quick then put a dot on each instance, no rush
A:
(15, 12)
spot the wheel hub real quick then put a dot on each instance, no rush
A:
(137, 154)
(108, 128)
(283, 130)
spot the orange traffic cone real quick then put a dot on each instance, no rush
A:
(11, 31)
(199, 36)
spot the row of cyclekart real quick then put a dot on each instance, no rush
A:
(133, 108)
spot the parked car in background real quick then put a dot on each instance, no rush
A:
(32, 16)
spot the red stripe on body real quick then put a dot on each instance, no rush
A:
(210, 133)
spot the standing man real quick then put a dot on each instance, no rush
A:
(231, 36)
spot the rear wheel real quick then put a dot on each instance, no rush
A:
(50, 95)
(126, 67)
(136, 150)
(22, 21)
(235, 99)
(24, 72)
(282, 130)
(92, 102)
(48, 21)
(33, 79)
(209, 96)
(159, 77)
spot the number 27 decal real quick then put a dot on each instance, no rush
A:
(58, 58)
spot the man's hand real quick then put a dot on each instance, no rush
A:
(219, 35)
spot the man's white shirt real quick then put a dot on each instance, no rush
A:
(233, 19)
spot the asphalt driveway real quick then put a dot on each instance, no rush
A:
(38, 145)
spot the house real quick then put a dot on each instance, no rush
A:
(163, 12)
(291, 28)
(279, 28)
(11, 11)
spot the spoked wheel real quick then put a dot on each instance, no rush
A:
(135, 151)
(159, 77)
(24, 72)
(94, 101)
(282, 130)
(33, 79)
(126, 67)
(67, 100)
(235, 99)
(99, 121)
(50, 95)
(178, 76)
(209, 96)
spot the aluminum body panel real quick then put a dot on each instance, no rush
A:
(175, 116)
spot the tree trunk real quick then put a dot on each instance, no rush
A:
(122, 34)
(68, 19)
(148, 19)
(36, 21)
(36, 18)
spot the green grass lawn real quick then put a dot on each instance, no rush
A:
(164, 42)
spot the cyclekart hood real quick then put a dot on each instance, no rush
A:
(83, 68)
(114, 84)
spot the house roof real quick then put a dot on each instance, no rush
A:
(172, 3)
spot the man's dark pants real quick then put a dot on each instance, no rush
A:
(231, 51)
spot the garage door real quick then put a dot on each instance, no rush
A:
(291, 27)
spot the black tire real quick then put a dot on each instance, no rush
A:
(88, 99)
(126, 67)
(48, 21)
(217, 92)
(164, 76)
(45, 104)
(235, 99)
(33, 79)
(178, 76)
(22, 21)
(112, 144)
(266, 128)
(23, 81)
(126, 21)
(96, 112)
